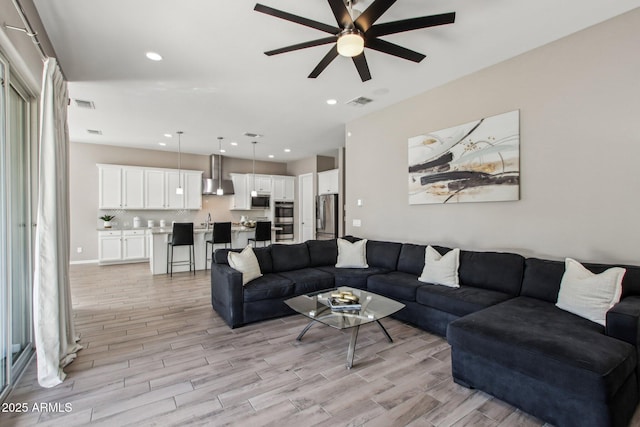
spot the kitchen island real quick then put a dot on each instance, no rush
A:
(161, 236)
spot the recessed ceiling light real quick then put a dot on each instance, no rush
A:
(153, 56)
(162, 143)
(332, 101)
(234, 143)
(223, 150)
(168, 135)
(287, 150)
(271, 156)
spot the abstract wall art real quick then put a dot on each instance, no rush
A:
(475, 162)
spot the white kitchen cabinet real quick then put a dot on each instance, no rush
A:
(174, 200)
(132, 188)
(109, 246)
(329, 182)
(133, 244)
(117, 246)
(262, 183)
(283, 188)
(192, 182)
(109, 187)
(136, 187)
(241, 196)
(154, 194)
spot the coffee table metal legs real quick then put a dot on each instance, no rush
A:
(384, 331)
(352, 346)
(352, 343)
(304, 331)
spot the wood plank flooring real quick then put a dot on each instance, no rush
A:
(156, 354)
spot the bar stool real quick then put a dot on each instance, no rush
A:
(182, 235)
(263, 233)
(221, 235)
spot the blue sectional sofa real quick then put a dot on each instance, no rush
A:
(507, 336)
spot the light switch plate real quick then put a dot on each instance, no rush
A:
(357, 223)
(359, 202)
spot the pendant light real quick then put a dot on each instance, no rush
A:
(220, 191)
(254, 193)
(179, 189)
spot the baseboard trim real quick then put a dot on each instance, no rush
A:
(86, 261)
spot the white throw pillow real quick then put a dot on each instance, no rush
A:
(587, 294)
(441, 269)
(246, 263)
(352, 255)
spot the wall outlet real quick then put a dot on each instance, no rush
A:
(79, 249)
(357, 223)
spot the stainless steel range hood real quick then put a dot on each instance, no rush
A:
(210, 185)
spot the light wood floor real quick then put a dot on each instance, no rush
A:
(156, 354)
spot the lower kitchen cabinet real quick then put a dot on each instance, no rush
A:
(120, 246)
(109, 246)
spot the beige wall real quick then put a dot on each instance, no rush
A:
(84, 189)
(579, 101)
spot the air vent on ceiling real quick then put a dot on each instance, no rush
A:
(359, 101)
(252, 135)
(94, 131)
(81, 103)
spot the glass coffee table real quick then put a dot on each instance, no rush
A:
(373, 308)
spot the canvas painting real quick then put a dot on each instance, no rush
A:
(474, 162)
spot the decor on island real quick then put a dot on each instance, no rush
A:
(475, 162)
(107, 220)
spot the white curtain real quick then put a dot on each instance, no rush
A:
(55, 337)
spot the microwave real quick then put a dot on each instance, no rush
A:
(261, 202)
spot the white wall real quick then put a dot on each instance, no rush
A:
(579, 101)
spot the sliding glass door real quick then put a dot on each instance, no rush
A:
(16, 260)
(19, 225)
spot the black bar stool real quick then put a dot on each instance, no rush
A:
(263, 233)
(182, 235)
(221, 235)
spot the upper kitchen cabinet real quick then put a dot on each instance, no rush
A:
(154, 194)
(131, 187)
(192, 182)
(120, 187)
(260, 183)
(283, 188)
(329, 182)
(110, 187)
(241, 198)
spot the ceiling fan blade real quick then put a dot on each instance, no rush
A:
(363, 68)
(333, 53)
(372, 14)
(297, 19)
(341, 13)
(411, 24)
(395, 50)
(311, 43)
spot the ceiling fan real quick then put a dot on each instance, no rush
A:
(354, 33)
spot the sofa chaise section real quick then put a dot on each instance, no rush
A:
(551, 363)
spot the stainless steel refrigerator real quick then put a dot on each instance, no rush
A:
(327, 217)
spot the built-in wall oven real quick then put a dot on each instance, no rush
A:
(283, 221)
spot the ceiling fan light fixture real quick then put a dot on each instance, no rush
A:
(350, 43)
